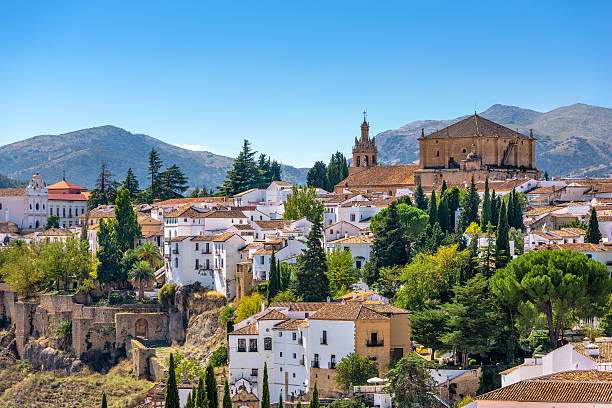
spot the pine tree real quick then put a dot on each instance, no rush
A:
(275, 170)
(494, 208)
(263, 171)
(311, 281)
(472, 264)
(419, 198)
(593, 235)
(172, 395)
(201, 398)
(485, 214)
(502, 243)
(104, 403)
(204, 192)
(314, 400)
(211, 387)
(317, 177)
(337, 170)
(546, 176)
(274, 279)
(432, 211)
(265, 390)
(173, 183)
(227, 399)
(127, 226)
(155, 165)
(195, 193)
(469, 212)
(131, 183)
(244, 173)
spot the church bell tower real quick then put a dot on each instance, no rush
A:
(365, 153)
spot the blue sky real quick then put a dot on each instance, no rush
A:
(292, 77)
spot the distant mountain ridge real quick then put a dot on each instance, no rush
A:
(80, 153)
(573, 140)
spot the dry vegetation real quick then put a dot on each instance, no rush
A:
(57, 389)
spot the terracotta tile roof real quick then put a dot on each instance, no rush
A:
(601, 188)
(539, 210)
(381, 176)
(569, 386)
(146, 219)
(475, 125)
(225, 214)
(12, 192)
(282, 183)
(101, 211)
(544, 235)
(300, 306)
(264, 251)
(380, 202)
(580, 247)
(180, 238)
(190, 200)
(387, 308)
(562, 233)
(66, 197)
(578, 231)
(250, 329)
(244, 396)
(213, 238)
(8, 227)
(273, 224)
(348, 311)
(55, 232)
(65, 185)
(272, 314)
(289, 324)
(546, 190)
(605, 350)
(356, 239)
(243, 227)
(336, 198)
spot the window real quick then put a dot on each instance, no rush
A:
(438, 153)
(294, 356)
(252, 344)
(268, 343)
(464, 150)
(294, 336)
(331, 231)
(37, 207)
(306, 315)
(280, 334)
(197, 264)
(324, 337)
(293, 375)
(261, 259)
(241, 345)
(352, 217)
(176, 262)
(280, 354)
(197, 246)
(254, 372)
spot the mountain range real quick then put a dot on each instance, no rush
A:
(79, 154)
(573, 140)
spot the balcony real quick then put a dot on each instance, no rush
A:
(315, 363)
(331, 365)
(300, 340)
(253, 349)
(205, 252)
(302, 362)
(242, 349)
(175, 251)
(375, 343)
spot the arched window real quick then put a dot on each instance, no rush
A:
(358, 162)
(37, 206)
(373, 160)
(438, 153)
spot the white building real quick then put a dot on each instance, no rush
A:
(561, 236)
(27, 207)
(359, 246)
(285, 250)
(67, 201)
(341, 229)
(208, 259)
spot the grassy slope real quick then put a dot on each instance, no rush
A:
(49, 389)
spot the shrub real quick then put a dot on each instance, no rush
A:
(248, 306)
(64, 329)
(227, 314)
(464, 401)
(219, 357)
(166, 294)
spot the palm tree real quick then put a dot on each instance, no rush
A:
(142, 272)
(150, 253)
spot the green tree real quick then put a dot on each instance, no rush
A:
(560, 284)
(317, 176)
(432, 210)
(104, 191)
(227, 399)
(142, 273)
(472, 319)
(189, 402)
(495, 204)
(155, 164)
(280, 400)
(172, 395)
(354, 370)
(469, 211)
(410, 383)
(502, 243)
(109, 255)
(244, 173)
(311, 281)
(419, 198)
(593, 235)
(413, 221)
(273, 279)
(149, 252)
(485, 214)
(340, 271)
(173, 183)
(248, 306)
(428, 327)
(452, 197)
(131, 183)
(201, 398)
(195, 193)
(314, 399)
(337, 170)
(126, 227)
(104, 403)
(303, 202)
(263, 171)
(546, 177)
(211, 387)
(444, 216)
(265, 390)
(52, 222)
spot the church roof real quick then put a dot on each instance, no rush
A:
(381, 176)
(65, 185)
(475, 126)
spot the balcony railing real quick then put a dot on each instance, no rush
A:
(253, 349)
(205, 252)
(175, 251)
(315, 363)
(375, 343)
(302, 362)
(242, 349)
(300, 340)
(331, 365)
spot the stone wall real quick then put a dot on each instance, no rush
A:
(150, 326)
(89, 337)
(141, 359)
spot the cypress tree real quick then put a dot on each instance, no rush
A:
(388, 248)
(473, 201)
(444, 217)
(485, 214)
(299, 404)
(189, 403)
(280, 400)
(593, 235)
(494, 208)
(419, 198)
(265, 390)
(311, 281)
(211, 387)
(502, 243)
(227, 399)
(314, 400)
(274, 278)
(172, 395)
(433, 208)
(201, 399)
(131, 183)
(194, 396)
(155, 165)
(104, 403)
(127, 226)
(518, 212)
(443, 189)
(452, 201)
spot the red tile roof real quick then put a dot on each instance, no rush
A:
(475, 125)
(67, 197)
(12, 192)
(65, 185)
(379, 176)
(348, 311)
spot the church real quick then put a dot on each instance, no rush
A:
(473, 147)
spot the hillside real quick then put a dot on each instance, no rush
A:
(79, 154)
(573, 140)
(6, 182)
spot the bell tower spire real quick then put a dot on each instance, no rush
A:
(365, 153)
(365, 128)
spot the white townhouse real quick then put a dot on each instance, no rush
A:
(285, 250)
(252, 213)
(361, 212)
(244, 230)
(265, 230)
(561, 236)
(301, 343)
(27, 207)
(359, 246)
(208, 259)
(341, 229)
